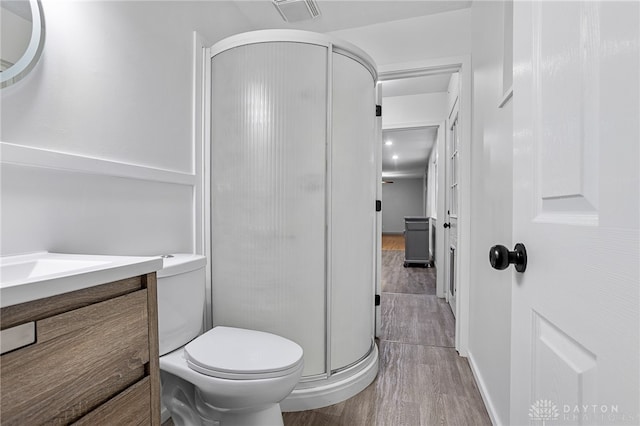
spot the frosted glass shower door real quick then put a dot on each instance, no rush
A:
(353, 194)
(268, 161)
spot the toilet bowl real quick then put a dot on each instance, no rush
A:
(227, 376)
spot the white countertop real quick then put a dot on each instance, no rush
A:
(28, 277)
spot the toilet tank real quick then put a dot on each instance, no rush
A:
(181, 293)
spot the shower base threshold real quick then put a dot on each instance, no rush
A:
(338, 387)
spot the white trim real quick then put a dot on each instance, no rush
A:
(197, 133)
(335, 45)
(462, 64)
(433, 66)
(48, 159)
(328, 250)
(506, 97)
(200, 132)
(378, 227)
(482, 387)
(449, 248)
(411, 125)
(439, 251)
(206, 110)
(454, 110)
(464, 209)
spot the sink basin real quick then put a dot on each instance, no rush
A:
(43, 267)
(37, 275)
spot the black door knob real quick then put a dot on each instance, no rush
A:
(500, 257)
(446, 225)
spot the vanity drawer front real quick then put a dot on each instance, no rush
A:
(43, 308)
(130, 407)
(81, 359)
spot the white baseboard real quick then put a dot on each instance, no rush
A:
(493, 415)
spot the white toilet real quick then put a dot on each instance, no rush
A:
(226, 376)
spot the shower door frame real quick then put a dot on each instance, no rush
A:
(202, 135)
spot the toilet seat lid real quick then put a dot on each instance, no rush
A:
(237, 353)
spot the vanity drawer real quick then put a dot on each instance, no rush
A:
(130, 407)
(81, 359)
(43, 308)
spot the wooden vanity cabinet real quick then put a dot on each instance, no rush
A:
(94, 359)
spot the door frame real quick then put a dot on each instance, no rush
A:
(461, 64)
(451, 247)
(440, 141)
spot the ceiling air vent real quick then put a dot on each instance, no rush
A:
(297, 10)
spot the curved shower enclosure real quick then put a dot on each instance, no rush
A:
(293, 184)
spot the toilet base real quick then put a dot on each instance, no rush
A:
(211, 416)
(183, 395)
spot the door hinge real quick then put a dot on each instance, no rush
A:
(378, 205)
(378, 110)
(377, 303)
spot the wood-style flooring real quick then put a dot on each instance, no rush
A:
(422, 380)
(392, 241)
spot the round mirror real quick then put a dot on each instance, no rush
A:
(22, 38)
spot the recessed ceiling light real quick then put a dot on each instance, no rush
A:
(395, 157)
(388, 143)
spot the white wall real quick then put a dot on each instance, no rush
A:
(69, 212)
(410, 110)
(436, 36)
(490, 298)
(114, 83)
(403, 197)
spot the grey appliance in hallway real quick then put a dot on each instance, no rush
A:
(416, 241)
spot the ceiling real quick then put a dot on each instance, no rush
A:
(338, 15)
(412, 146)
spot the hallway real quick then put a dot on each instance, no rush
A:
(421, 380)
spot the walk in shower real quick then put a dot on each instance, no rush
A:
(293, 185)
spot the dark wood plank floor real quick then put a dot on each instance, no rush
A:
(422, 380)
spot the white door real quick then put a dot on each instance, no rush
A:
(452, 197)
(575, 320)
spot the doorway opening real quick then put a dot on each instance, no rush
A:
(445, 174)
